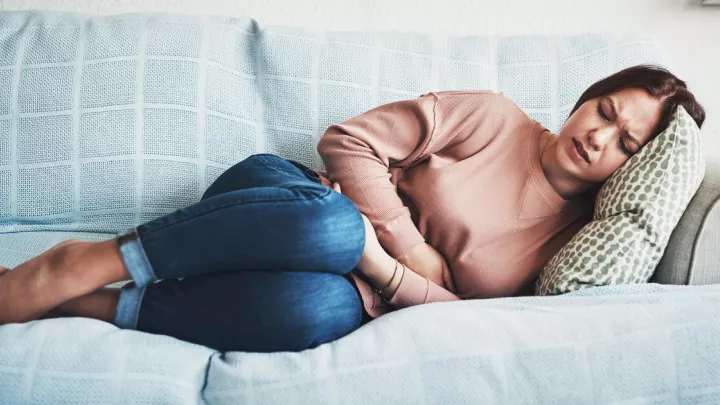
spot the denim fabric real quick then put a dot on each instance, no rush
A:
(264, 259)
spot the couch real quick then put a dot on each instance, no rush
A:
(108, 122)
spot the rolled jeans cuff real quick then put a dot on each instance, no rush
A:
(128, 306)
(136, 261)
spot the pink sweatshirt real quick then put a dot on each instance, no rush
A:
(461, 171)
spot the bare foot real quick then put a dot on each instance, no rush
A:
(68, 270)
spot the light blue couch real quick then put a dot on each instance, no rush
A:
(108, 122)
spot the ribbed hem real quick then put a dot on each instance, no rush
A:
(128, 307)
(136, 262)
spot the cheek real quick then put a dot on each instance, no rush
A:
(578, 122)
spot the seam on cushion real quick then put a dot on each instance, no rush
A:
(698, 236)
(206, 372)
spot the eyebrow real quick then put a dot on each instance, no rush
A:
(623, 129)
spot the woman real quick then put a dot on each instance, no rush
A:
(463, 195)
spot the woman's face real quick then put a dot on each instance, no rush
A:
(605, 132)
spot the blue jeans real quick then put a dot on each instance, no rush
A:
(264, 259)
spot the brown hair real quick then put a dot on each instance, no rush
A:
(657, 82)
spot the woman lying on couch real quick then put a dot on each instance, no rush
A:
(453, 195)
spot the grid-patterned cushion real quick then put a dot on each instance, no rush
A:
(108, 122)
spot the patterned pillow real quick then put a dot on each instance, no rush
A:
(636, 210)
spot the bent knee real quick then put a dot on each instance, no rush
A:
(340, 231)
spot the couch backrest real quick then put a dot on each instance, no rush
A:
(108, 122)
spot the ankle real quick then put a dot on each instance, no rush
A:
(100, 304)
(88, 266)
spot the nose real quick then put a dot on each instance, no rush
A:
(599, 138)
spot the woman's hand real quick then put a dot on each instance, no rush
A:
(429, 263)
(376, 264)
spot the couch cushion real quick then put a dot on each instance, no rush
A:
(313, 78)
(111, 121)
(692, 255)
(625, 344)
(108, 122)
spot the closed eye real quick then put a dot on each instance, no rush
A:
(601, 113)
(604, 116)
(625, 148)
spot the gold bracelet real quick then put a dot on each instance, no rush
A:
(381, 291)
(401, 279)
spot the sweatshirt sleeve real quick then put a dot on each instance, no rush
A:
(364, 152)
(415, 289)
(358, 154)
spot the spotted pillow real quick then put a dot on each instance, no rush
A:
(636, 210)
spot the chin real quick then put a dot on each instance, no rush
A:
(568, 166)
(572, 171)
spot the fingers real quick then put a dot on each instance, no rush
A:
(3, 270)
(336, 187)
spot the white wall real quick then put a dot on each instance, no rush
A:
(684, 26)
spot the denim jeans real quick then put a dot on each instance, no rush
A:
(263, 259)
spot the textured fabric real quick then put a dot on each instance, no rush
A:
(113, 121)
(164, 107)
(107, 122)
(692, 256)
(706, 267)
(636, 211)
(466, 166)
(629, 344)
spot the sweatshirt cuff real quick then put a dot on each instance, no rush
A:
(415, 289)
(400, 236)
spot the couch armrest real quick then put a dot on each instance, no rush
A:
(693, 253)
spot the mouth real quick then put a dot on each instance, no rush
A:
(581, 150)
